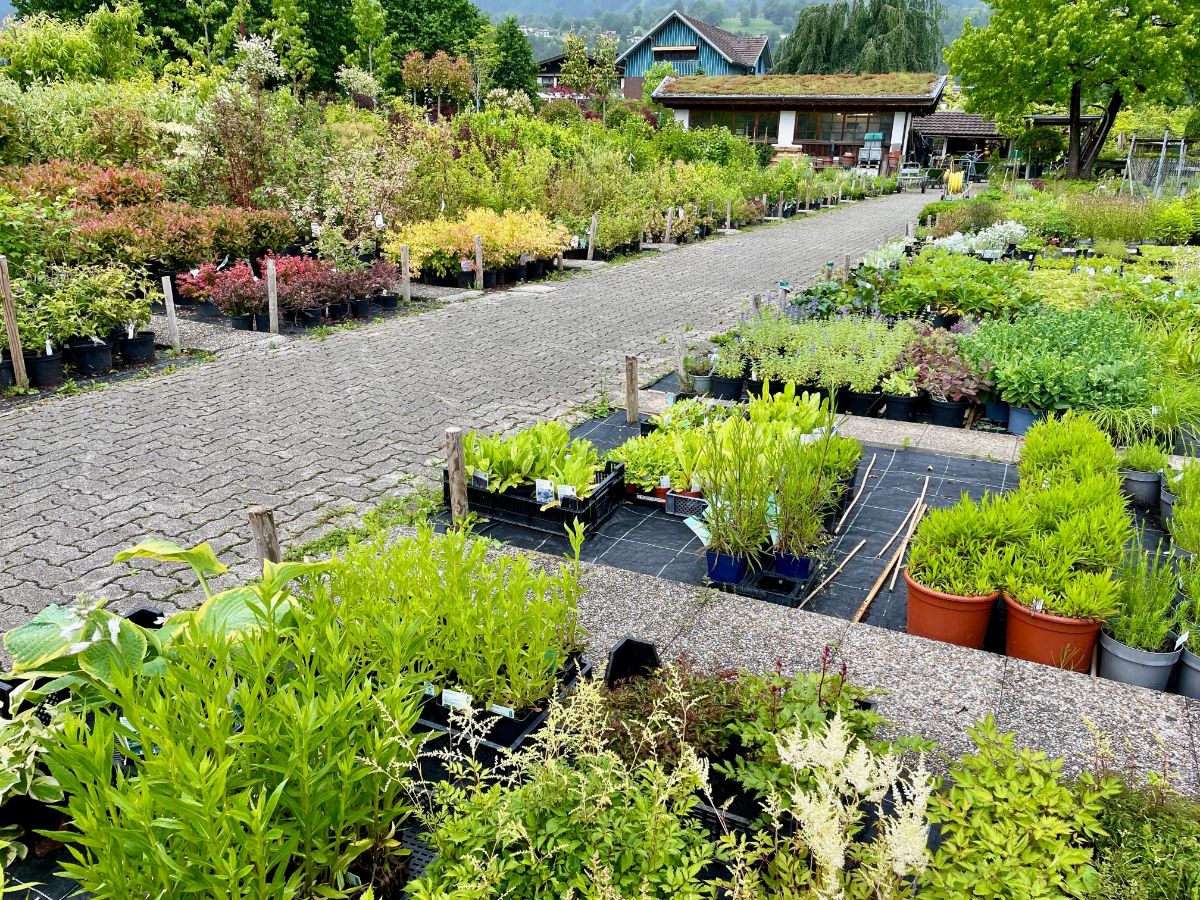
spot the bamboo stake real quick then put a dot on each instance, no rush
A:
(875, 588)
(920, 499)
(833, 574)
(862, 490)
(912, 527)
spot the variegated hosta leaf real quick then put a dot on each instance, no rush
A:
(201, 558)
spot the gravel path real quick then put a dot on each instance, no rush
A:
(312, 426)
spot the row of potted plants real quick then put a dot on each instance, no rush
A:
(84, 317)
(308, 289)
(1062, 554)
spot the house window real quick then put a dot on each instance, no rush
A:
(841, 128)
(759, 126)
(676, 54)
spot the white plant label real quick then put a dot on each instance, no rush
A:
(543, 490)
(430, 689)
(316, 229)
(466, 265)
(49, 348)
(1182, 640)
(665, 482)
(1038, 604)
(456, 699)
(507, 711)
(566, 491)
(479, 479)
(379, 223)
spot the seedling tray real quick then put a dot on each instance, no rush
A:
(771, 587)
(519, 506)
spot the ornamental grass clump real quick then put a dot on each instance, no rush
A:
(1146, 587)
(1144, 456)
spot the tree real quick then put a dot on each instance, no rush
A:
(414, 73)
(287, 29)
(373, 52)
(864, 36)
(484, 56)
(432, 25)
(516, 69)
(1087, 53)
(654, 77)
(592, 76)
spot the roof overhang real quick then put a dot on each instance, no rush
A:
(916, 103)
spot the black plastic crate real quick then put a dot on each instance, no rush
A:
(771, 587)
(519, 506)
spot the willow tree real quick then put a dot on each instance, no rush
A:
(864, 36)
(1084, 55)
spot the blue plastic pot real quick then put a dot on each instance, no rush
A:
(997, 411)
(724, 568)
(790, 566)
(1020, 419)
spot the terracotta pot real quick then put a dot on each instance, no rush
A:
(946, 617)
(1050, 640)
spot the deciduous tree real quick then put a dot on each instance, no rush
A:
(1086, 54)
(864, 36)
(516, 69)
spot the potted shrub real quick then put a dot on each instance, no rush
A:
(734, 480)
(381, 280)
(1185, 529)
(1188, 623)
(956, 564)
(45, 321)
(198, 285)
(1137, 645)
(238, 294)
(727, 372)
(900, 394)
(1142, 465)
(951, 381)
(699, 369)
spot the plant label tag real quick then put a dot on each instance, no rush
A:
(507, 711)
(1182, 639)
(695, 485)
(524, 260)
(430, 689)
(1038, 604)
(566, 491)
(665, 482)
(379, 223)
(456, 699)
(543, 490)
(479, 479)
(465, 265)
(699, 529)
(316, 229)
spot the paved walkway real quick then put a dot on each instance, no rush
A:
(314, 425)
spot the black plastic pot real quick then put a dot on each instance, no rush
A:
(899, 409)
(360, 308)
(726, 388)
(6, 375)
(208, 309)
(945, 320)
(240, 323)
(490, 279)
(514, 274)
(858, 403)
(387, 301)
(310, 316)
(90, 359)
(262, 322)
(45, 371)
(754, 387)
(630, 658)
(535, 270)
(466, 280)
(949, 413)
(138, 349)
(336, 310)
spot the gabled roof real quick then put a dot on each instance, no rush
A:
(953, 123)
(896, 89)
(739, 49)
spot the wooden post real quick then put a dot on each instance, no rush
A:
(779, 206)
(405, 275)
(728, 214)
(456, 466)
(20, 378)
(710, 213)
(937, 221)
(266, 538)
(908, 231)
(807, 194)
(756, 302)
(670, 222)
(592, 234)
(478, 262)
(172, 320)
(846, 268)
(272, 296)
(558, 265)
(631, 389)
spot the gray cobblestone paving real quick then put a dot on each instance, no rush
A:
(311, 424)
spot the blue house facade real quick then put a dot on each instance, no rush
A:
(693, 47)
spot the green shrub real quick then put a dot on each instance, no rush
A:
(1145, 599)
(1151, 846)
(1013, 828)
(1144, 456)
